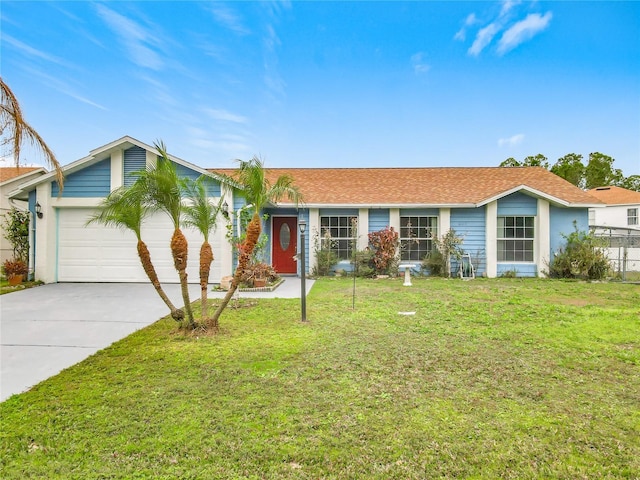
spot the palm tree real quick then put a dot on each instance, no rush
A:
(161, 189)
(258, 192)
(122, 209)
(14, 130)
(202, 214)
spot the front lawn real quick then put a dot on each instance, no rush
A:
(502, 378)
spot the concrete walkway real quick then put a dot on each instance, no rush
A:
(46, 329)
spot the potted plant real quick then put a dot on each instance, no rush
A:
(15, 270)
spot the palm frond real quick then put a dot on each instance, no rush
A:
(14, 125)
(161, 187)
(201, 213)
(122, 208)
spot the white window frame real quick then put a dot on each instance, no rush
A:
(632, 216)
(514, 233)
(426, 229)
(340, 244)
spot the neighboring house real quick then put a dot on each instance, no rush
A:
(10, 179)
(621, 208)
(511, 219)
(617, 221)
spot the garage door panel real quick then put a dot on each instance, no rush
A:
(96, 253)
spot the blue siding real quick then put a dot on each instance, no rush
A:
(521, 269)
(238, 200)
(561, 222)
(135, 160)
(186, 172)
(378, 219)
(517, 204)
(92, 181)
(214, 188)
(470, 224)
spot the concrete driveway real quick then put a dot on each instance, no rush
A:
(46, 329)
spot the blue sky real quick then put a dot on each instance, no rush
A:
(330, 84)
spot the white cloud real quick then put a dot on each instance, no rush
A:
(58, 83)
(419, 64)
(511, 141)
(513, 34)
(483, 38)
(33, 52)
(138, 40)
(228, 19)
(224, 115)
(272, 78)
(522, 31)
(468, 22)
(507, 5)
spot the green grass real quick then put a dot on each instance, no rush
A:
(6, 288)
(498, 378)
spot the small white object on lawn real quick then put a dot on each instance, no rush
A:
(407, 274)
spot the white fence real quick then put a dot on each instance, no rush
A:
(622, 248)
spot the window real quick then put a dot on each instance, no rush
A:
(515, 239)
(632, 216)
(341, 229)
(415, 237)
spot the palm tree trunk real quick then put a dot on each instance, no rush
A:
(149, 269)
(206, 258)
(179, 250)
(246, 249)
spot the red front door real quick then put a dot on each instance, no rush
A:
(284, 241)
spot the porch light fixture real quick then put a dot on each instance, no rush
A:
(302, 225)
(39, 210)
(225, 210)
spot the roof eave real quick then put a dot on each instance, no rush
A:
(98, 154)
(539, 194)
(378, 205)
(39, 172)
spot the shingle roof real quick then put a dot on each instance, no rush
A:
(423, 186)
(7, 173)
(615, 195)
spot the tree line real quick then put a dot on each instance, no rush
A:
(597, 172)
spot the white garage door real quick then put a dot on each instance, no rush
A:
(96, 253)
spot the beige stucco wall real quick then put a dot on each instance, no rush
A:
(6, 251)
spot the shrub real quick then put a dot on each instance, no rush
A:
(258, 270)
(434, 263)
(583, 257)
(16, 226)
(363, 263)
(509, 274)
(385, 247)
(326, 258)
(438, 261)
